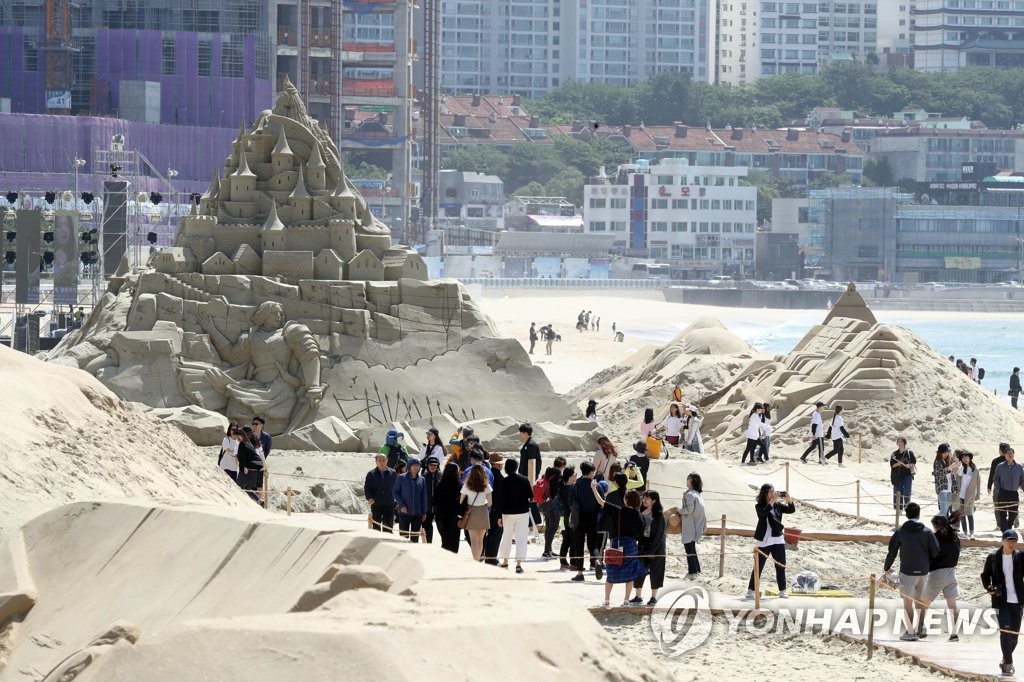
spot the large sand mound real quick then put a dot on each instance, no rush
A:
(65, 438)
(134, 592)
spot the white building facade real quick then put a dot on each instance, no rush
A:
(698, 218)
(951, 34)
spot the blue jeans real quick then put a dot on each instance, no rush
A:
(901, 493)
(944, 499)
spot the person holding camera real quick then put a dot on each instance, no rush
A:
(1003, 579)
(770, 535)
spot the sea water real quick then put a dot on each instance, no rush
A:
(995, 343)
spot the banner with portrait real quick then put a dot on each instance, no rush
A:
(29, 225)
(65, 258)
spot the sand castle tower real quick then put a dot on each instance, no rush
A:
(282, 157)
(300, 199)
(316, 170)
(242, 181)
(273, 233)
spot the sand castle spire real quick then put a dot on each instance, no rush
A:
(243, 167)
(214, 189)
(300, 191)
(315, 159)
(282, 144)
(273, 222)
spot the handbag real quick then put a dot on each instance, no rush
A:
(464, 519)
(614, 556)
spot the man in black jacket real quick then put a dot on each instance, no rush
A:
(1003, 447)
(529, 450)
(516, 498)
(1003, 579)
(916, 546)
(492, 541)
(1014, 387)
(379, 489)
(432, 476)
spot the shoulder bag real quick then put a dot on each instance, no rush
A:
(464, 519)
(614, 556)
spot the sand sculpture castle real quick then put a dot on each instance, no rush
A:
(283, 296)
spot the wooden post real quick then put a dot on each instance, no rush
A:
(871, 618)
(787, 480)
(899, 503)
(860, 447)
(721, 550)
(288, 505)
(757, 583)
(531, 472)
(858, 498)
(369, 521)
(266, 488)
(716, 447)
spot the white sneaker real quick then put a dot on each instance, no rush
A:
(783, 595)
(842, 466)
(749, 596)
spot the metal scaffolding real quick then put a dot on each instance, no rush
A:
(431, 112)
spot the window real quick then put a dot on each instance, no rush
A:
(167, 56)
(231, 63)
(597, 226)
(659, 203)
(727, 204)
(867, 251)
(716, 227)
(716, 205)
(598, 203)
(205, 57)
(665, 180)
(704, 204)
(681, 203)
(802, 214)
(659, 226)
(31, 58)
(703, 227)
(751, 206)
(617, 202)
(618, 225)
(679, 227)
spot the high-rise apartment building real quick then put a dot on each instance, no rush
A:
(532, 46)
(760, 39)
(951, 34)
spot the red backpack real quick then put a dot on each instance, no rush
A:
(542, 490)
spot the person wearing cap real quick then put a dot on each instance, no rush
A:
(1007, 483)
(817, 434)
(393, 448)
(753, 433)
(916, 546)
(411, 501)
(516, 498)
(642, 462)
(432, 477)
(492, 541)
(478, 456)
(379, 488)
(691, 429)
(1003, 579)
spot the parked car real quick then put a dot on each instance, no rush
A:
(721, 281)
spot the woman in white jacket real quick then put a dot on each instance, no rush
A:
(754, 433)
(673, 424)
(693, 522)
(691, 430)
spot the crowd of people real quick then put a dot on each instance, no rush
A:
(610, 522)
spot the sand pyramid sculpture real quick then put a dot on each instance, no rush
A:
(283, 296)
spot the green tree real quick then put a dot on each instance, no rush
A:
(663, 97)
(769, 187)
(366, 171)
(532, 189)
(481, 158)
(568, 184)
(878, 172)
(830, 179)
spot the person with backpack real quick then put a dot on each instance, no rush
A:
(393, 448)
(516, 497)
(902, 467)
(546, 494)
(835, 432)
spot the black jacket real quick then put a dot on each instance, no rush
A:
(897, 474)
(1014, 384)
(432, 481)
(992, 471)
(916, 546)
(380, 487)
(530, 450)
(949, 553)
(248, 458)
(568, 495)
(770, 517)
(613, 502)
(498, 493)
(652, 540)
(630, 526)
(445, 502)
(992, 576)
(516, 494)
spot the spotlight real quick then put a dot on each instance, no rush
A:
(155, 198)
(114, 170)
(89, 236)
(87, 257)
(11, 197)
(67, 197)
(11, 235)
(47, 237)
(10, 256)
(50, 197)
(87, 197)
(48, 257)
(151, 237)
(195, 197)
